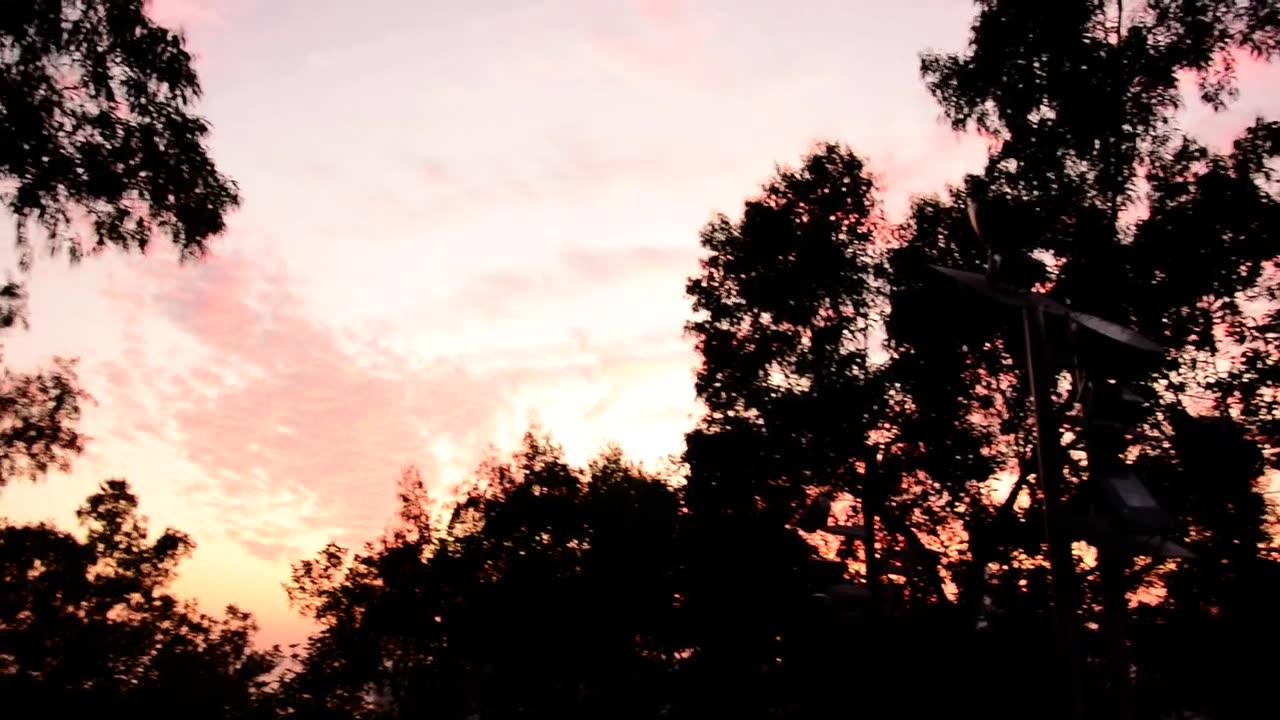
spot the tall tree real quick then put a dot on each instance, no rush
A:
(783, 322)
(1119, 212)
(784, 312)
(801, 397)
(1094, 195)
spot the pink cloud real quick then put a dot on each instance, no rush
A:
(555, 169)
(280, 411)
(576, 274)
(117, 375)
(664, 12)
(183, 13)
(927, 165)
(669, 47)
(302, 429)
(586, 164)
(121, 391)
(437, 173)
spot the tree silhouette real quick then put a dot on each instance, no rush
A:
(804, 391)
(784, 310)
(38, 415)
(38, 411)
(1093, 194)
(1118, 212)
(87, 625)
(99, 147)
(543, 591)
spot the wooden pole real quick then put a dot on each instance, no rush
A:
(870, 505)
(1049, 468)
(1113, 565)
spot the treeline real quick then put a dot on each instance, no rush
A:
(835, 363)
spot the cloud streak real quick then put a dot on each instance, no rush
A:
(183, 13)
(301, 430)
(578, 275)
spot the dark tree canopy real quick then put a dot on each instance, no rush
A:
(88, 626)
(548, 591)
(100, 145)
(1126, 215)
(784, 311)
(38, 416)
(1111, 208)
(1122, 213)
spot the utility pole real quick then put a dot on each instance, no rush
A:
(870, 507)
(1049, 469)
(1049, 454)
(1049, 463)
(1113, 567)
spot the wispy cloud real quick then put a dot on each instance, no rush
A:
(664, 12)
(299, 431)
(183, 13)
(647, 41)
(302, 429)
(577, 276)
(937, 158)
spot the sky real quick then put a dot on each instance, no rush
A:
(459, 216)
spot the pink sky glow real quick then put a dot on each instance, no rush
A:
(458, 215)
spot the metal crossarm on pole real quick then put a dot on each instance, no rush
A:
(1121, 494)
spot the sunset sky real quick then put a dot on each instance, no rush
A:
(458, 215)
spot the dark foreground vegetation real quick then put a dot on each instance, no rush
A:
(833, 360)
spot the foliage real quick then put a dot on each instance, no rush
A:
(99, 147)
(38, 410)
(1122, 214)
(547, 590)
(95, 108)
(88, 624)
(1094, 195)
(38, 415)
